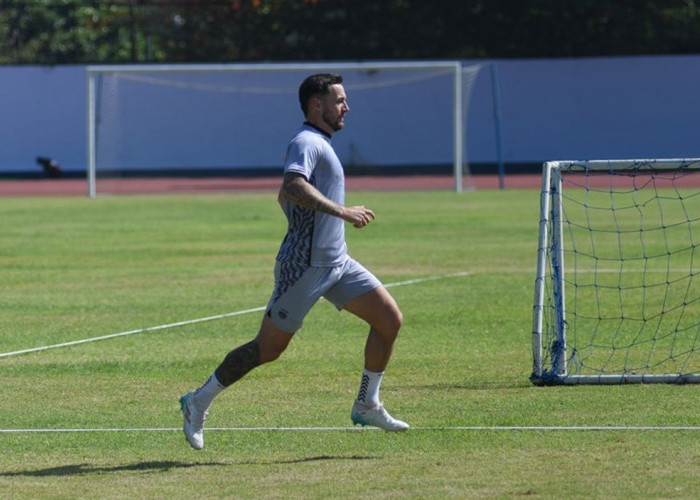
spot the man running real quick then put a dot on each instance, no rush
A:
(313, 262)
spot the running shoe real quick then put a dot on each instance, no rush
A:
(192, 421)
(376, 416)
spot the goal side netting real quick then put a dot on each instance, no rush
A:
(236, 119)
(617, 295)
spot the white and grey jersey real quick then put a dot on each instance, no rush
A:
(314, 238)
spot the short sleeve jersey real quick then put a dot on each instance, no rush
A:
(314, 238)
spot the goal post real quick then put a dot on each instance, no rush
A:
(617, 290)
(224, 118)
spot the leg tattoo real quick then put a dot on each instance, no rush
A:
(238, 362)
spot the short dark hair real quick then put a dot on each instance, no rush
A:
(314, 85)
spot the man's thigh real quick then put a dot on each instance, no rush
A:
(354, 281)
(378, 308)
(297, 289)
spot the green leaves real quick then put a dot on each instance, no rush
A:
(121, 31)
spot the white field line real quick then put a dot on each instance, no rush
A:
(478, 428)
(130, 332)
(201, 320)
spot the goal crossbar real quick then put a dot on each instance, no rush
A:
(621, 165)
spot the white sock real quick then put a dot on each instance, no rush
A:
(369, 388)
(207, 392)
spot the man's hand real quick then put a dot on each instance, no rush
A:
(358, 216)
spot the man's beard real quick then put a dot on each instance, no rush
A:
(335, 125)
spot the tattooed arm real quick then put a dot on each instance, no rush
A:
(282, 199)
(299, 191)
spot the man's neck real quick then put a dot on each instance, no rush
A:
(323, 131)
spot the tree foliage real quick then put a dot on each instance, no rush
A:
(139, 31)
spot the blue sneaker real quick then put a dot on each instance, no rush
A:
(376, 416)
(192, 421)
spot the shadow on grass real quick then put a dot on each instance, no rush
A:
(523, 383)
(157, 466)
(78, 469)
(317, 459)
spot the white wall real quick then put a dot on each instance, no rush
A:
(42, 112)
(550, 109)
(600, 108)
(214, 119)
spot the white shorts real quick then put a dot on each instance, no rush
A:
(298, 288)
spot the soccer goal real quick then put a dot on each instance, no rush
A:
(233, 119)
(617, 295)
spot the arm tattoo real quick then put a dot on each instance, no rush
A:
(299, 191)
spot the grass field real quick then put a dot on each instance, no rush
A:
(74, 269)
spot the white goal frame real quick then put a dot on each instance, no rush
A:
(551, 252)
(454, 66)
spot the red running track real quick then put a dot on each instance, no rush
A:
(168, 185)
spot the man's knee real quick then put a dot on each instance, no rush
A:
(391, 324)
(273, 341)
(271, 353)
(392, 316)
(397, 319)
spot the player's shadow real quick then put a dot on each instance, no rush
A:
(156, 466)
(80, 469)
(320, 458)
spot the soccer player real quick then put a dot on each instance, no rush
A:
(313, 262)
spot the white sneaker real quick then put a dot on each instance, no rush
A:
(376, 416)
(192, 421)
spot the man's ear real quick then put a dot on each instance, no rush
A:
(315, 103)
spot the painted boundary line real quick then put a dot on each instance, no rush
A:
(130, 332)
(514, 428)
(202, 320)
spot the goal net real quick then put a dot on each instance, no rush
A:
(194, 121)
(617, 296)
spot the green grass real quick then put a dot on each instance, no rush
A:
(75, 268)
